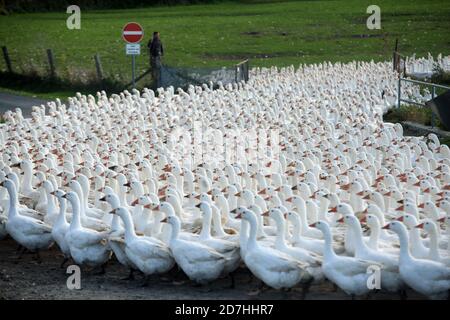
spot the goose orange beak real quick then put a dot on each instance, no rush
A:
(313, 225)
(388, 226)
(419, 226)
(164, 220)
(135, 202)
(341, 220)
(334, 209)
(400, 219)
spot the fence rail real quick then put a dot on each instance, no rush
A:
(428, 84)
(241, 70)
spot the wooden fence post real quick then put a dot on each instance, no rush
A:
(7, 59)
(51, 62)
(395, 55)
(98, 67)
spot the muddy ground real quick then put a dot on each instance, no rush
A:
(26, 278)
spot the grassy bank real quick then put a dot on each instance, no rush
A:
(221, 34)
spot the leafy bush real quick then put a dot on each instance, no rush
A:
(440, 76)
(413, 113)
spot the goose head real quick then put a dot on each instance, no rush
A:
(166, 208)
(344, 209)
(276, 215)
(350, 220)
(397, 227)
(409, 221)
(112, 199)
(58, 193)
(429, 226)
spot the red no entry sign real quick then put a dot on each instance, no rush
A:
(132, 32)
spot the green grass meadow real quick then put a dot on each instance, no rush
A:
(212, 35)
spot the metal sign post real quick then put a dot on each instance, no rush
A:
(132, 33)
(132, 71)
(133, 49)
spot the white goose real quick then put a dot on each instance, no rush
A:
(427, 277)
(30, 233)
(348, 273)
(150, 255)
(228, 249)
(200, 263)
(390, 279)
(87, 246)
(116, 241)
(312, 260)
(434, 253)
(61, 226)
(274, 268)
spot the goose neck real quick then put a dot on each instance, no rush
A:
(62, 212)
(130, 234)
(76, 218)
(206, 226)
(13, 201)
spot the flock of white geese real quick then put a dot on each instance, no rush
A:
(99, 178)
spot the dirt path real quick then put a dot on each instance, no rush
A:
(10, 102)
(28, 279)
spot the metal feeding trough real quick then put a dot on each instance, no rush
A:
(441, 107)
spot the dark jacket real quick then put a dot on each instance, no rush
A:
(156, 48)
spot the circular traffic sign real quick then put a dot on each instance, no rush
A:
(132, 32)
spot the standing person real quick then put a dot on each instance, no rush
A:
(156, 51)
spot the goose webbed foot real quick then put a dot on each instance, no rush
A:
(130, 275)
(196, 284)
(403, 295)
(335, 287)
(146, 281)
(38, 257)
(204, 288)
(305, 290)
(261, 288)
(232, 281)
(102, 270)
(63, 263)
(21, 252)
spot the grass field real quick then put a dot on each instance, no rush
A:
(278, 33)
